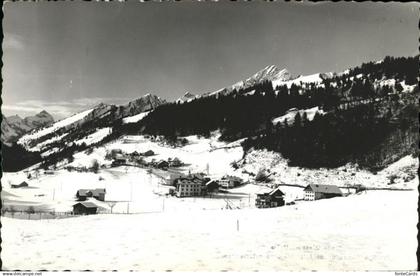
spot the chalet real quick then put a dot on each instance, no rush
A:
(275, 198)
(115, 152)
(174, 162)
(21, 185)
(148, 153)
(211, 186)
(98, 194)
(317, 191)
(85, 208)
(83, 194)
(119, 159)
(162, 164)
(230, 181)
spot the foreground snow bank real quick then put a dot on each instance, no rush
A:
(373, 231)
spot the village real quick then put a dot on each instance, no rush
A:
(141, 174)
(178, 182)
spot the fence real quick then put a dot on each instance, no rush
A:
(36, 215)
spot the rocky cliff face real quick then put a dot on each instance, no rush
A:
(143, 104)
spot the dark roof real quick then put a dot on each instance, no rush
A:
(231, 177)
(272, 192)
(24, 183)
(95, 192)
(87, 204)
(83, 192)
(275, 190)
(325, 189)
(188, 181)
(211, 182)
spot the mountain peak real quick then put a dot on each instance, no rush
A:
(187, 97)
(14, 118)
(271, 73)
(43, 113)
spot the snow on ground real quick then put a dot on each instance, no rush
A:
(314, 78)
(199, 153)
(54, 127)
(40, 146)
(290, 116)
(372, 231)
(134, 189)
(95, 137)
(135, 118)
(349, 174)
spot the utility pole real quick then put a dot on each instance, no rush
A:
(128, 207)
(131, 191)
(237, 225)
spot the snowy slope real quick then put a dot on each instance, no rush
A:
(290, 116)
(60, 124)
(269, 73)
(187, 97)
(135, 118)
(95, 137)
(314, 78)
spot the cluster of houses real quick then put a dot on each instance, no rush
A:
(119, 158)
(198, 184)
(98, 194)
(275, 198)
(88, 208)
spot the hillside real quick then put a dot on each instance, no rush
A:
(328, 119)
(360, 114)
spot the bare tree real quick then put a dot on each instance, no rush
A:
(111, 205)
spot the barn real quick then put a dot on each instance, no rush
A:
(85, 208)
(21, 185)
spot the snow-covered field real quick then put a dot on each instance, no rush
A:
(372, 231)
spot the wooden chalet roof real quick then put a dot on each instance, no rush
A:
(87, 204)
(325, 189)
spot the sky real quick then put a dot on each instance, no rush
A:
(67, 56)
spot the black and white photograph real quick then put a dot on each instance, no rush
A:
(209, 136)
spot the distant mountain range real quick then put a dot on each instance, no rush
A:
(376, 95)
(73, 129)
(13, 127)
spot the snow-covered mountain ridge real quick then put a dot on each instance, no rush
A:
(14, 127)
(86, 123)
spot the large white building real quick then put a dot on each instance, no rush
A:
(318, 191)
